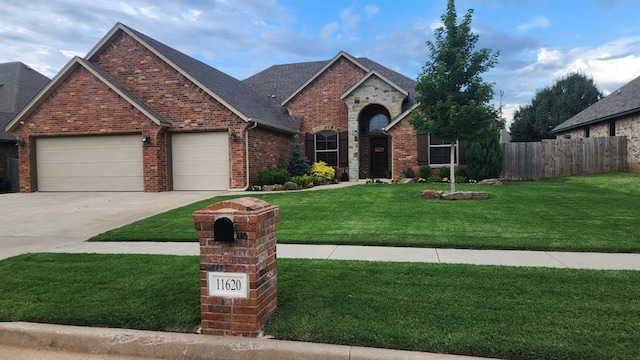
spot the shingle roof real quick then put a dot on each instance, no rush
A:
(5, 118)
(622, 102)
(18, 85)
(237, 94)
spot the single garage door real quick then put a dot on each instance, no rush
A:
(200, 161)
(90, 163)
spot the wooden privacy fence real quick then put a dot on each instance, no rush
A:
(564, 157)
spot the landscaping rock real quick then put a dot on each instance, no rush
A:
(430, 194)
(459, 195)
(406, 181)
(464, 195)
(490, 182)
(276, 187)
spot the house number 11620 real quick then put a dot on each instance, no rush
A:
(228, 285)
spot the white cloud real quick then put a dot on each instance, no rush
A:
(328, 30)
(535, 23)
(549, 57)
(371, 10)
(349, 19)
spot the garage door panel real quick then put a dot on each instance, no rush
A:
(91, 163)
(200, 161)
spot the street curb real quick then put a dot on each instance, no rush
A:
(164, 345)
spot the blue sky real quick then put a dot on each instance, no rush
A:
(539, 40)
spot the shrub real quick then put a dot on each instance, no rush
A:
(444, 172)
(303, 181)
(461, 179)
(433, 178)
(271, 176)
(298, 162)
(289, 185)
(425, 171)
(485, 157)
(461, 171)
(323, 171)
(408, 173)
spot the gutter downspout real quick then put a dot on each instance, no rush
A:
(246, 151)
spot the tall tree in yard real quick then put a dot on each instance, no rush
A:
(552, 105)
(453, 98)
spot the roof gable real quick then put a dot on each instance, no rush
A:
(340, 55)
(624, 101)
(75, 63)
(369, 75)
(235, 95)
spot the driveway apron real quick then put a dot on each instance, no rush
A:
(40, 222)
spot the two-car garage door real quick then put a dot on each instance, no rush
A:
(90, 163)
(200, 161)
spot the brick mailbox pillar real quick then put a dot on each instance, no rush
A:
(238, 269)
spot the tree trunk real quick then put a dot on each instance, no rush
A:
(452, 169)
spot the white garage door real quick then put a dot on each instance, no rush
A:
(200, 161)
(90, 163)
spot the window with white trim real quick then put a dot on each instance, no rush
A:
(440, 151)
(327, 147)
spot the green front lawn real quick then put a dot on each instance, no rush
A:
(586, 213)
(504, 312)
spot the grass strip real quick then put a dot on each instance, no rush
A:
(504, 312)
(585, 213)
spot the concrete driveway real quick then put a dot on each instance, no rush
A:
(40, 222)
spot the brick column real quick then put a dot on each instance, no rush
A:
(238, 291)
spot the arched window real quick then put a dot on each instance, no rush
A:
(327, 147)
(377, 123)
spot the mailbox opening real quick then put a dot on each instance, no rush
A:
(224, 230)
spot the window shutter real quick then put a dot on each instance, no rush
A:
(423, 149)
(309, 147)
(462, 152)
(343, 149)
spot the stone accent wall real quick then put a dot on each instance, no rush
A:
(630, 127)
(599, 130)
(372, 91)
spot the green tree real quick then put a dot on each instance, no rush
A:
(553, 105)
(485, 157)
(298, 162)
(453, 98)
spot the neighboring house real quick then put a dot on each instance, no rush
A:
(18, 85)
(137, 115)
(618, 114)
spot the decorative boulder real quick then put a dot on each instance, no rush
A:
(490, 182)
(430, 194)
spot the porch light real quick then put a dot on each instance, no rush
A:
(19, 143)
(146, 139)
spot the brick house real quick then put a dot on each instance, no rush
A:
(137, 115)
(618, 114)
(18, 85)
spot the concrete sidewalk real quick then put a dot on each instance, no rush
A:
(570, 260)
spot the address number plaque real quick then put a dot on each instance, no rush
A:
(228, 285)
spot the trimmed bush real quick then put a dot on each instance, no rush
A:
(445, 172)
(323, 171)
(408, 173)
(425, 171)
(272, 176)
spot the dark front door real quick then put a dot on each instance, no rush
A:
(379, 156)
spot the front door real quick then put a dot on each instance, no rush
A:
(379, 156)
